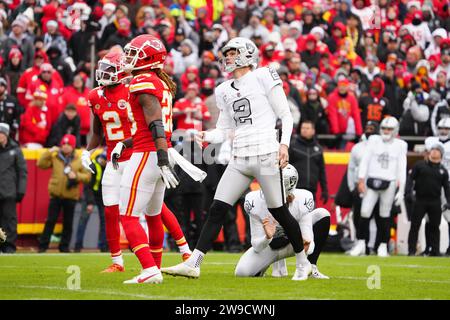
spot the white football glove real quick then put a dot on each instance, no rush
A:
(86, 161)
(116, 153)
(398, 199)
(169, 177)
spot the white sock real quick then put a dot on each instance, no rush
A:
(118, 260)
(184, 249)
(151, 270)
(195, 260)
(301, 258)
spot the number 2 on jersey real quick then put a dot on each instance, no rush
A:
(166, 110)
(242, 112)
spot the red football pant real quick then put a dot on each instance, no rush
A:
(112, 226)
(155, 237)
(138, 240)
(171, 223)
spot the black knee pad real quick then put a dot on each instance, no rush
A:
(218, 211)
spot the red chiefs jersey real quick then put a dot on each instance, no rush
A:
(191, 113)
(111, 106)
(149, 83)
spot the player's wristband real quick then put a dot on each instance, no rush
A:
(163, 158)
(156, 127)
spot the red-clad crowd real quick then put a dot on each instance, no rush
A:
(343, 62)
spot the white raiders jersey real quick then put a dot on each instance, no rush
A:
(255, 206)
(431, 141)
(384, 160)
(245, 108)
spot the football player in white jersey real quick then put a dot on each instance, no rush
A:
(382, 171)
(269, 243)
(444, 138)
(249, 105)
(356, 156)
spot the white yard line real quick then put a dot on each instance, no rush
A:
(105, 292)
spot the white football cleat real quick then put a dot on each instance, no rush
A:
(182, 270)
(302, 272)
(316, 274)
(382, 250)
(359, 249)
(146, 277)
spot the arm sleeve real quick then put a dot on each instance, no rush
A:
(280, 105)
(401, 168)
(21, 169)
(351, 172)
(434, 120)
(258, 236)
(363, 166)
(223, 125)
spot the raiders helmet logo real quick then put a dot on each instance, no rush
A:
(309, 204)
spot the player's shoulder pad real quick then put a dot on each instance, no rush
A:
(265, 73)
(145, 82)
(221, 87)
(402, 143)
(94, 94)
(374, 138)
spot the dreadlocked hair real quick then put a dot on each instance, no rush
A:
(168, 80)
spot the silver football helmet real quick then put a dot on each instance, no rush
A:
(444, 129)
(290, 178)
(389, 123)
(247, 54)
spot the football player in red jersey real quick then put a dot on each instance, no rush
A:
(114, 120)
(112, 117)
(148, 171)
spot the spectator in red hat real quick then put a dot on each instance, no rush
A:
(343, 112)
(53, 87)
(338, 32)
(63, 188)
(374, 106)
(18, 38)
(392, 22)
(121, 37)
(35, 123)
(207, 88)
(435, 65)
(14, 68)
(31, 74)
(77, 94)
(190, 111)
(310, 56)
(207, 60)
(191, 75)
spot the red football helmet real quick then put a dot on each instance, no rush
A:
(145, 52)
(109, 70)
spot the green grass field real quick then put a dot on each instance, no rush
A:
(34, 276)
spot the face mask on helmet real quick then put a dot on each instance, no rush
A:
(107, 74)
